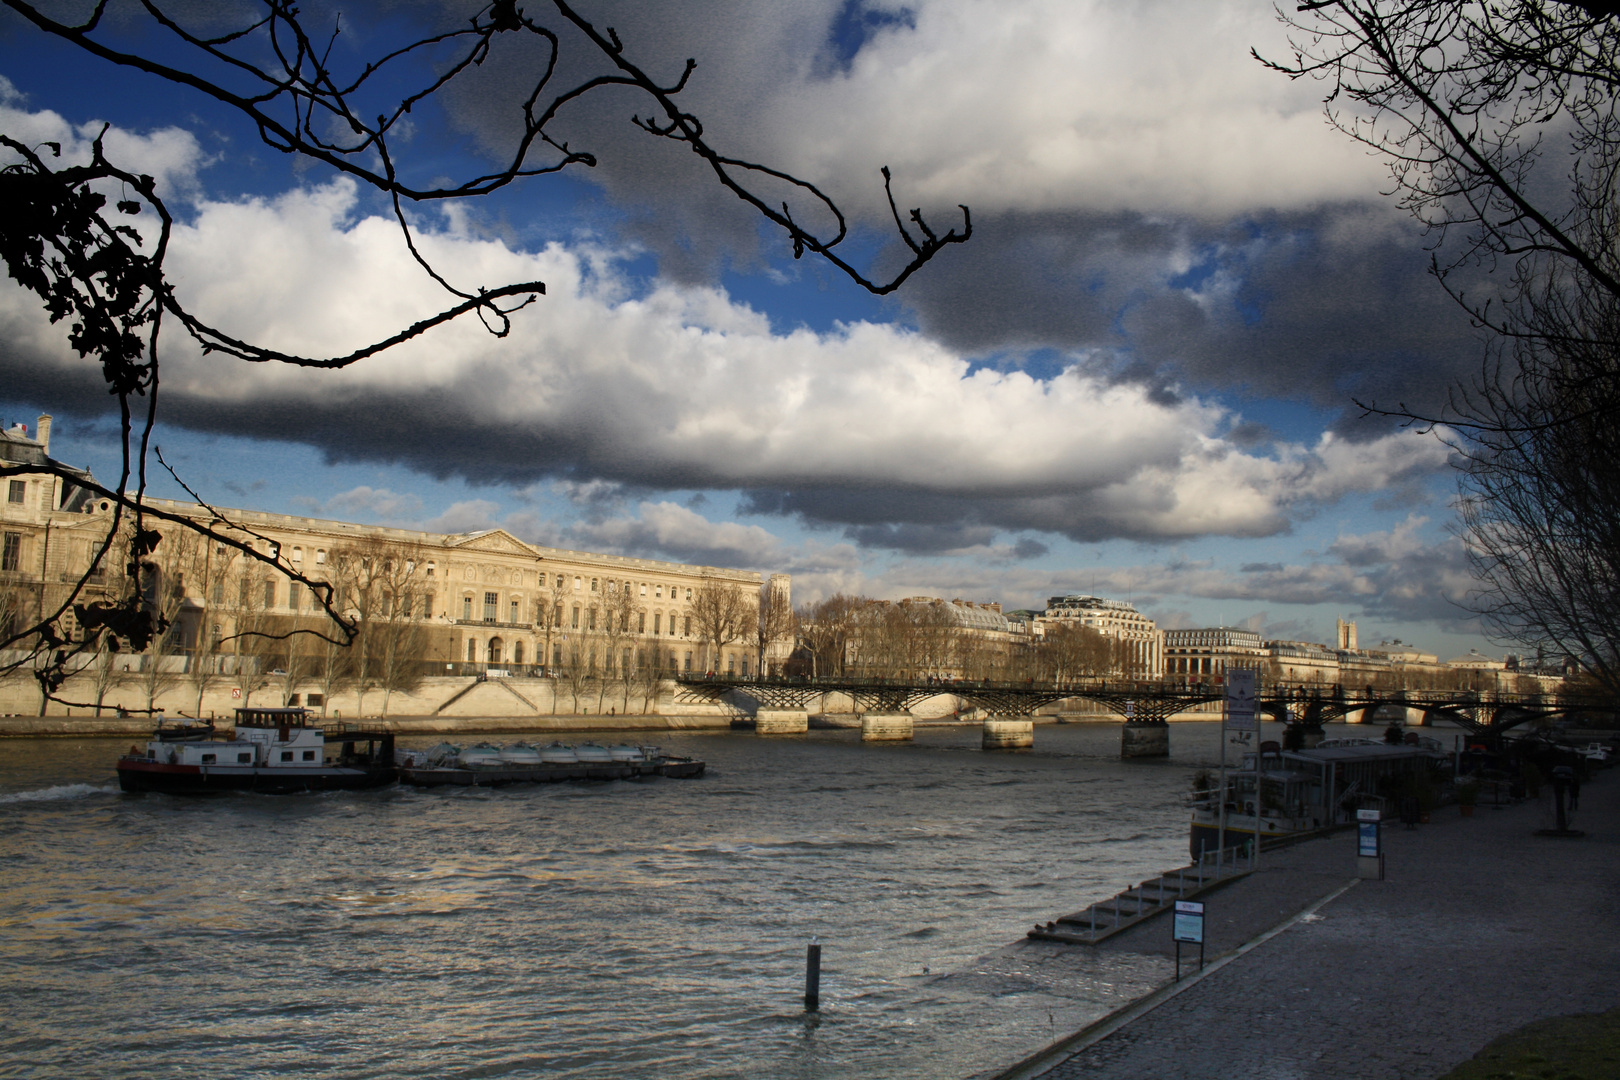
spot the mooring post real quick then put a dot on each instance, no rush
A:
(812, 977)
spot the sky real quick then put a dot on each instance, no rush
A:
(1140, 377)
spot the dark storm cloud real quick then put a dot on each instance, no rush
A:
(1322, 308)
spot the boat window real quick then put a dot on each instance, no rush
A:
(286, 755)
(309, 755)
(244, 759)
(208, 759)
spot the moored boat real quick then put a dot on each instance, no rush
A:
(1303, 791)
(277, 751)
(447, 766)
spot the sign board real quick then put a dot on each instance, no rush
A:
(1189, 924)
(1367, 828)
(1130, 710)
(236, 692)
(1242, 713)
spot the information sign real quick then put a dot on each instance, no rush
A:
(1189, 925)
(236, 692)
(1241, 714)
(1367, 830)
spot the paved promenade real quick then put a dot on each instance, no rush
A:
(1479, 928)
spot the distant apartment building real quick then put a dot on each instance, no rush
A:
(1140, 637)
(1205, 655)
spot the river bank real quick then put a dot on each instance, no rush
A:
(1479, 928)
(90, 727)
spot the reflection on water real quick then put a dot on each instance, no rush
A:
(619, 929)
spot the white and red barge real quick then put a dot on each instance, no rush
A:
(277, 751)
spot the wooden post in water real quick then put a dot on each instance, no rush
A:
(812, 977)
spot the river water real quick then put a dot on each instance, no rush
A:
(651, 928)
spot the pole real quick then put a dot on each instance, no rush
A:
(812, 977)
(1220, 793)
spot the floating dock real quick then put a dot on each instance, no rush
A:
(1139, 903)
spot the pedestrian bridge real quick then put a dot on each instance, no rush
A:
(783, 704)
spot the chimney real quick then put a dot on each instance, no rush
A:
(43, 435)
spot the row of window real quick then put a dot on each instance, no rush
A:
(494, 652)
(247, 758)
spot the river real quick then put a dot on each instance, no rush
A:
(651, 928)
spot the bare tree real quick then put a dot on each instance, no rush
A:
(1499, 124)
(722, 614)
(211, 565)
(619, 611)
(263, 61)
(826, 629)
(552, 597)
(776, 620)
(162, 585)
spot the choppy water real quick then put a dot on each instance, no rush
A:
(652, 928)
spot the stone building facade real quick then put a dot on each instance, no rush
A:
(483, 603)
(1118, 619)
(1205, 655)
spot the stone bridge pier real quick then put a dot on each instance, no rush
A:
(1144, 739)
(887, 727)
(781, 721)
(1008, 733)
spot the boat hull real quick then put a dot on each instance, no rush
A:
(548, 773)
(141, 774)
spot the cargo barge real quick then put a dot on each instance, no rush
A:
(486, 765)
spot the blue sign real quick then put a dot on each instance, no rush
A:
(1189, 924)
(1367, 838)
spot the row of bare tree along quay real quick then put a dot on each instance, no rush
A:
(1478, 928)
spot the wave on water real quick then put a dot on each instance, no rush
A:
(61, 791)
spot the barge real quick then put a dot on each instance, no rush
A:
(486, 765)
(276, 751)
(1304, 791)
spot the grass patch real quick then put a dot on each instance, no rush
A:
(1585, 1047)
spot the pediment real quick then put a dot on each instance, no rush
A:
(495, 541)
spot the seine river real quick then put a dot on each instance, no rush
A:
(652, 928)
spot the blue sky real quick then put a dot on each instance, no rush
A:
(1139, 378)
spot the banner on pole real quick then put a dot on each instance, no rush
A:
(1242, 712)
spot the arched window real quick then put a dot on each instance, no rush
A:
(517, 653)
(494, 652)
(472, 651)
(298, 554)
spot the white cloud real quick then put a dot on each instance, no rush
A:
(170, 155)
(1054, 104)
(665, 528)
(469, 515)
(373, 505)
(685, 388)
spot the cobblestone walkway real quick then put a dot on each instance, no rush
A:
(1481, 927)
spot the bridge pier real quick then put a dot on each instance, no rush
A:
(1144, 738)
(781, 722)
(1001, 733)
(886, 727)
